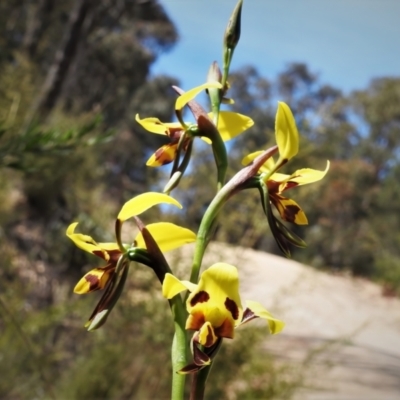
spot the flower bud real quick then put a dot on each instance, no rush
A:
(214, 73)
(232, 32)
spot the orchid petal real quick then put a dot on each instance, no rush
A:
(268, 166)
(143, 202)
(306, 175)
(183, 99)
(167, 235)
(85, 242)
(216, 299)
(289, 210)
(207, 335)
(108, 246)
(280, 178)
(286, 134)
(231, 124)
(96, 279)
(172, 286)
(275, 325)
(109, 298)
(154, 125)
(164, 155)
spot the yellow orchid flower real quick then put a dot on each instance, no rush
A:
(287, 138)
(215, 310)
(230, 125)
(275, 183)
(288, 209)
(168, 236)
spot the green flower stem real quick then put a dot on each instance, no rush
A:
(239, 182)
(203, 234)
(228, 54)
(179, 349)
(221, 160)
(215, 99)
(218, 145)
(118, 226)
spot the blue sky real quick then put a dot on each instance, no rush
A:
(347, 42)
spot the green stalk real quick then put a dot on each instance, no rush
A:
(203, 234)
(179, 348)
(227, 63)
(240, 181)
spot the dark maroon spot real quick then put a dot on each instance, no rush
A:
(248, 315)
(93, 281)
(225, 330)
(114, 255)
(232, 307)
(290, 212)
(200, 297)
(99, 253)
(290, 185)
(273, 186)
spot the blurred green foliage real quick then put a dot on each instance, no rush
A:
(71, 151)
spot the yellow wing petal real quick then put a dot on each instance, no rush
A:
(308, 175)
(143, 202)
(167, 235)
(231, 124)
(275, 325)
(183, 99)
(266, 167)
(154, 125)
(287, 137)
(172, 286)
(84, 242)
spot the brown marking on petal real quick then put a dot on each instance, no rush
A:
(162, 157)
(190, 369)
(248, 315)
(94, 282)
(232, 307)
(200, 297)
(200, 357)
(100, 253)
(290, 212)
(195, 321)
(114, 255)
(226, 329)
(273, 186)
(290, 185)
(210, 336)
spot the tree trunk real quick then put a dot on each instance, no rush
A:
(62, 61)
